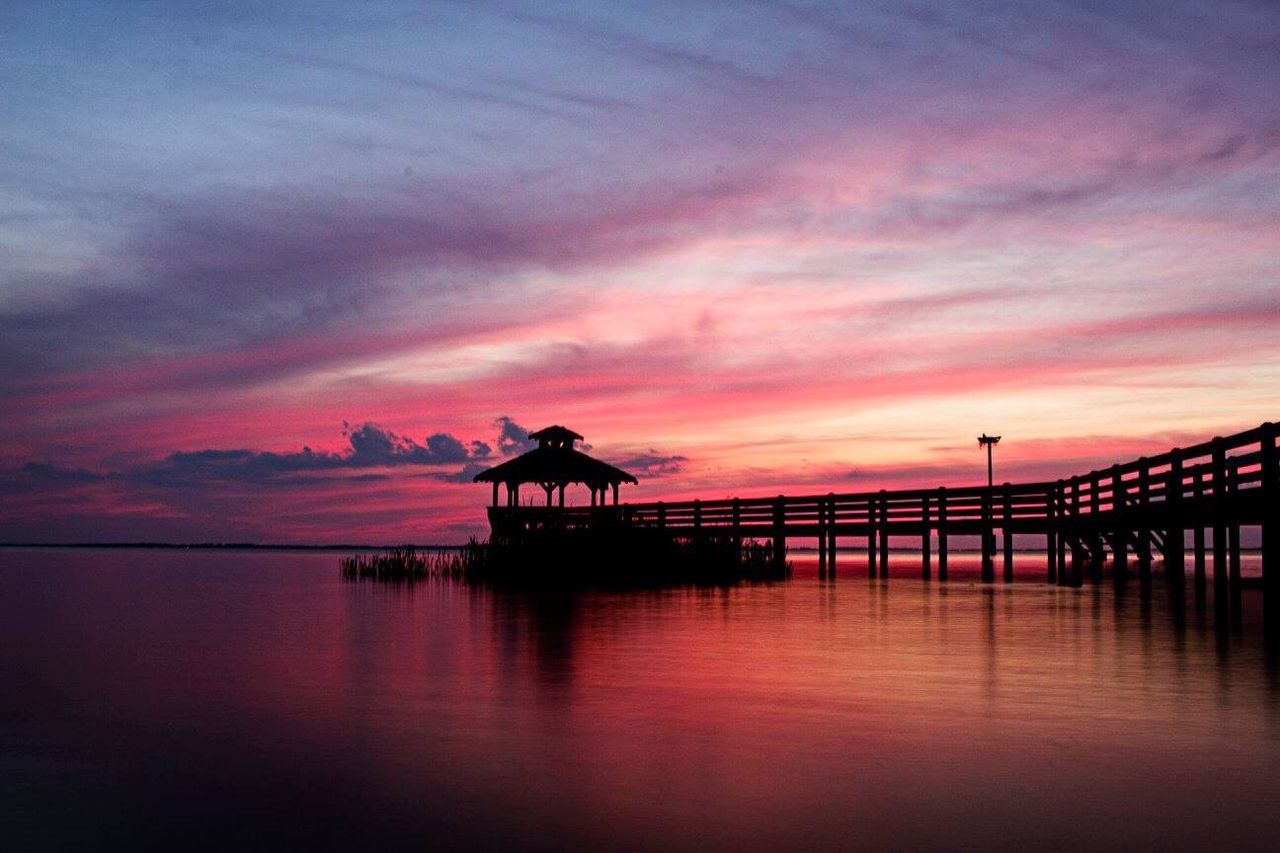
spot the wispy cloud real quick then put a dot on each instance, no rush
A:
(692, 229)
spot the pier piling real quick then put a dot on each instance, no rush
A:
(871, 537)
(942, 533)
(884, 534)
(1196, 497)
(1175, 536)
(1270, 472)
(1219, 523)
(1006, 533)
(831, 534)
(925, 539)
(1144, 524)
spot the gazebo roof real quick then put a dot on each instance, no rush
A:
(555, 435)
(555, 461)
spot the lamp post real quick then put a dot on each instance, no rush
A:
(988, 534)
(990, 441)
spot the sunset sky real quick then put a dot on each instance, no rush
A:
(293, 272)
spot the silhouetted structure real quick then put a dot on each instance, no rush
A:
(553, 465)
(1142, 508)
(989, 539)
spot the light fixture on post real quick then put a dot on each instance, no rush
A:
(990, 441)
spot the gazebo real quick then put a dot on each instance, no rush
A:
(554, 464)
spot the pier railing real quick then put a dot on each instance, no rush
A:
(1140, 508)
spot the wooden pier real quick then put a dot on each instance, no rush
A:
(1128, 515)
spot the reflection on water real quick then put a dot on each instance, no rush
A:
(247, 698)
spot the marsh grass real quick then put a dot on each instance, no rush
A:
(636, 558)
(407, 563)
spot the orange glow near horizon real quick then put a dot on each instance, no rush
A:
(751, 272)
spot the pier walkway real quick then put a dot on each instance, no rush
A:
(1184, 506)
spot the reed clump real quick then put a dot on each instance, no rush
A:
(630, 558)
(407, 563)
(756, 562)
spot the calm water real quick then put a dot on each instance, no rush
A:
(256, 700)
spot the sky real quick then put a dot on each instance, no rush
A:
(294, 272)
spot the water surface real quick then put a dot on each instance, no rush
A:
(255, 699)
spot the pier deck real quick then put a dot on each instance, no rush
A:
(1131, 513)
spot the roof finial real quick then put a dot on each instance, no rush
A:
(558, 437)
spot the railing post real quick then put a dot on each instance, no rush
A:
(1076, 557)
(1051, 535)
(1119, 527)
(662, 514)
(1091, 543)
(1175, 564)
(1064, 525)
(736, 522)
(779, 532)
(1270, 521)
(831, 534)
(697, 525)
(1097, 555)
(1197, 533)
(871, 537)
(884, 534)
(1007, 533)
(988, 539)
(926, 540)
(822, 537)
(1218, 481)
(942, 533)
(1233, 524)
(1144, 522)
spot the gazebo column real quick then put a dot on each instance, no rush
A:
(562, 495)
(548, 488)
(593, 494)
(495, 492)
(615, 494)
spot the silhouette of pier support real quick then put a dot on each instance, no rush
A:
(1122, 527)
(1219, 515)
(1269, 471)
(826, 537)
(942, 533)
(1200, 581)
(884, 535)
(822, 543)
(988, 534)
(926, 541)
(1144, 526)
(1006, 533)
(831, 534)
(1051, 535)
(779, 532)
(1175, 562)
(872, 538)
(1141, 517)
